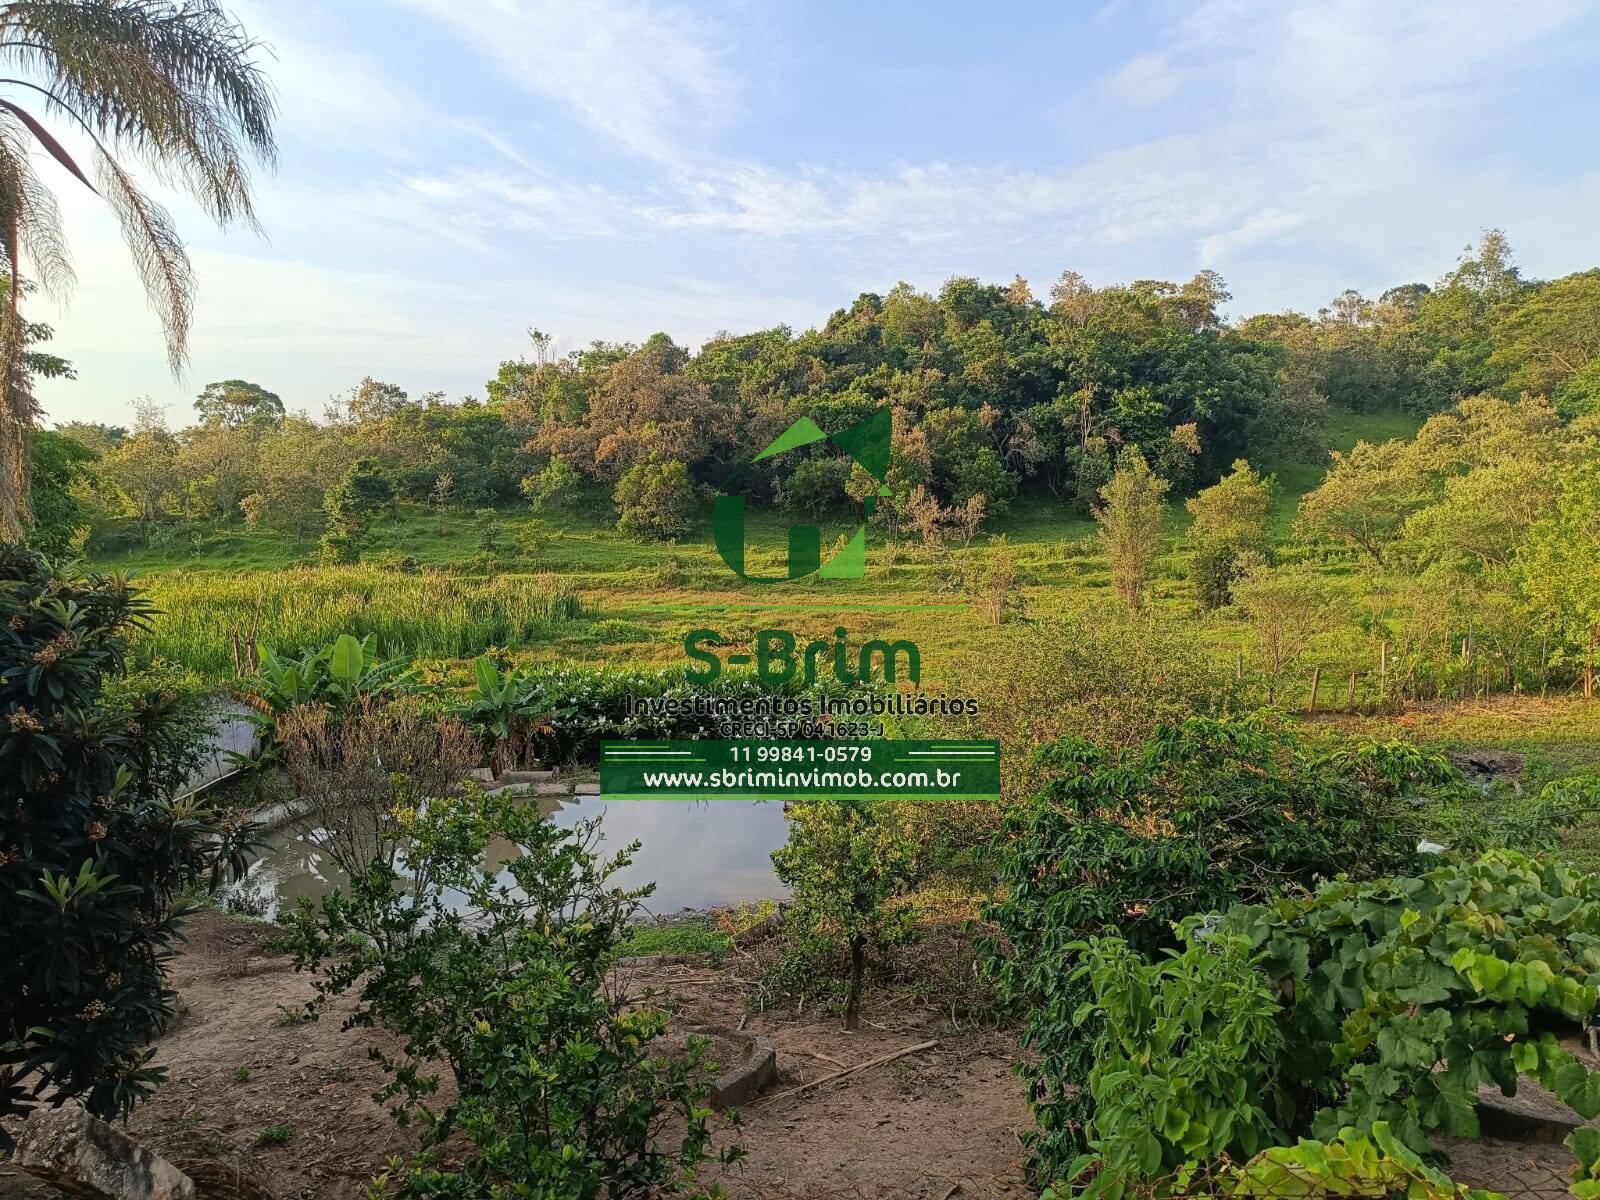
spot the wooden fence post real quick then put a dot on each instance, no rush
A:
(1316, 679)
(1350, 704)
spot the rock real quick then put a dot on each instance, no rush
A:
(1483, 768)
(85, 1157)
(586, 789)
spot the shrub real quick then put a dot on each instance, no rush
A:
(816, 486)
(1130, 518)
(566, 711)
(363, 493)
(490, 534)
(1129, 842)
(845, 860)
(1112, 678)
(1286, 608)
(656, 499)
(1406, 994)
(358, 769)
(560, 1087)
(1229, 532)
(1186, 1057)
(94, 850)
(558, 487)
(1216, 564)
(1376, 1012)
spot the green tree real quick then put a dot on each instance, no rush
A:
(93, 435)
(1558, 570)
(845, 861)
(144, 470)
(60, 466)
(351, 505)
(1365, 497)
(97, 850)
(556, 488)
(172, 84)
(1230, 524)
(373, 400)
(363, 494)
(235, 403)
(655, 499)
(1130, 517)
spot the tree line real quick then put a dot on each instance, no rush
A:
(997, 395)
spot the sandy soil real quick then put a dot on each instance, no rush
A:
(941, 1119)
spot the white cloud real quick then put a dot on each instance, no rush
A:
(1146, 79)
(651, 77)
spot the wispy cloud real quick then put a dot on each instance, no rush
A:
(653, 78)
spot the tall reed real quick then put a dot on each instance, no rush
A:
(417, 613)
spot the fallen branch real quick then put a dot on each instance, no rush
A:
(871, 1062)
(827, 1058)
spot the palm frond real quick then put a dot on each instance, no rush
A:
(172, 81)
(158, 253)
(28, 216)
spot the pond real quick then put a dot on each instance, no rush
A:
(699, 853)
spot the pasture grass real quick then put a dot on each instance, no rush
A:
(429, 591)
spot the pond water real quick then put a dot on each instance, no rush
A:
(698, 853)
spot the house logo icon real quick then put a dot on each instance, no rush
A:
(867, 445)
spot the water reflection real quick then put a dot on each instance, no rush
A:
(699, 853)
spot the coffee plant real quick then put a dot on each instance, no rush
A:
(95, 849)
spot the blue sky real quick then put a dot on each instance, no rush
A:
(455, 171)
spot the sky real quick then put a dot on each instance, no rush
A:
(454, 172)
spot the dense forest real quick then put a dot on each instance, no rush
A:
(997, 394)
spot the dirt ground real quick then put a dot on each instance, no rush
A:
(938, 1124)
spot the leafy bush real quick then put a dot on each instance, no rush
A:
(558, 487)
(1408, 993)
(656, 499)
(560, 714)
(845, 861)
(1229, 531)
(560, 1087)
(816, 487)
(1204, 813)
(94, 850)
(1368, 1015)
(1186, 1056)
(1354, 1163)
(1109, 677)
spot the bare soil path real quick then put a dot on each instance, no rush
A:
(243, 1072)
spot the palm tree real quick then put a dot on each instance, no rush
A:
(170, 83)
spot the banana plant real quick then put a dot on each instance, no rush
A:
(492, 707)
(337, 675)
(498, 705)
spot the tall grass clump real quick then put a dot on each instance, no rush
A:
(414, 614)
(553, 599)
